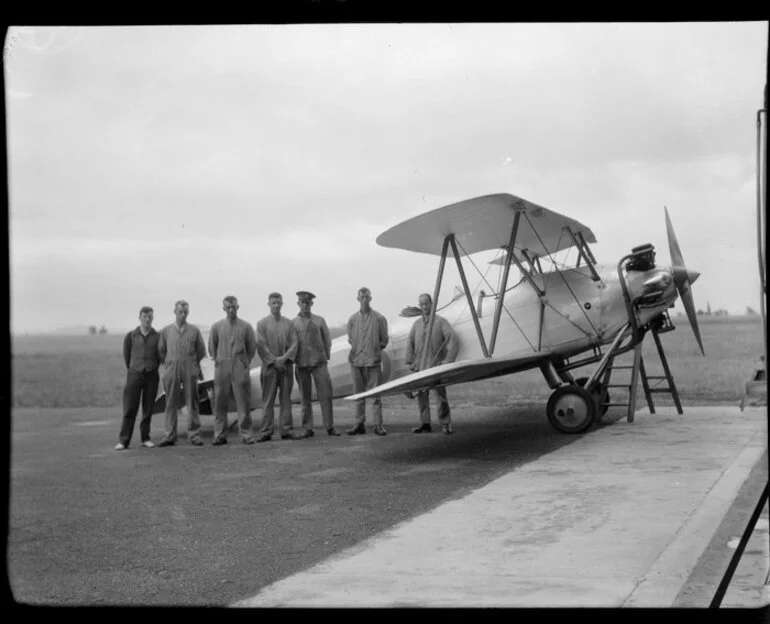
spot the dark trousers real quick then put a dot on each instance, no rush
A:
(140, 387)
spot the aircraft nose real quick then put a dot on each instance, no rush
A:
(692, 276)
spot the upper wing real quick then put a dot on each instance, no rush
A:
(457, 372)
(485, 223)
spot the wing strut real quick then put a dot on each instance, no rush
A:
(585, 246)
(529, 260)
(566, 283)
(456, 254)
(540, 325)
(501, 293)
(434, 305)
(582, 254)
(527, 276)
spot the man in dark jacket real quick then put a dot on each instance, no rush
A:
(140, 352)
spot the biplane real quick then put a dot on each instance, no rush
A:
(556, 317)
(548, 318)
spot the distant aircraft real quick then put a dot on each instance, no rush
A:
(542, 321)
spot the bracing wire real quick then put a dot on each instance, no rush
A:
(499, 294)
(566, 283)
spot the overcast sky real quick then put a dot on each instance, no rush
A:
(149, 164)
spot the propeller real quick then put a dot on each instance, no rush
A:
(683, 279)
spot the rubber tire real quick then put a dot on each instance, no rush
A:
(571, 396)
(600, 394)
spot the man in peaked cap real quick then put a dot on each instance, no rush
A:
(314, 345)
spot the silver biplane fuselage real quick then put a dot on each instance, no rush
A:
(568, 327)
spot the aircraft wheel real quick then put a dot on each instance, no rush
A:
(571, 409)
(601, 395)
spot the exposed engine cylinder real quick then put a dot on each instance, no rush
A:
(643, 258)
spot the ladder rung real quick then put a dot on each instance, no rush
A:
(624, 366)
(660, 390)
(656, 376)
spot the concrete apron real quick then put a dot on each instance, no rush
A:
(618, 518)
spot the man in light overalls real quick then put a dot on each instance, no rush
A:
(232, 344)
(180, 351)
(423, 352)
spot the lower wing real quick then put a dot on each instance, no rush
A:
(457, 372)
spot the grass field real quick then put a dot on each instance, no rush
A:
(88, 371)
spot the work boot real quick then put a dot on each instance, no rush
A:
(219, 441)
(422, 428)
(306, 433)
(265, 438)
(332, 431)
(380, 430)
(196, 442)
(448, 429)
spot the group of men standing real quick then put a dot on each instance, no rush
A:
(299, 348)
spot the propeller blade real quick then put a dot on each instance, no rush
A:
(683, 280)
(673, 245)
(689, 306)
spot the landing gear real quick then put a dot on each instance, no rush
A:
(571, 409)
(600, 393)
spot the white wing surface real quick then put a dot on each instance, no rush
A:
(457, 372)
(485, 223)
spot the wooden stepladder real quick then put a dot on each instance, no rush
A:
(638, 371)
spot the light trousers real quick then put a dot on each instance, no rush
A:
(276, 384)
(232, 376)
(306, 375)
(366, 378)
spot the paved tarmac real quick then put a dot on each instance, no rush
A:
(623, 517)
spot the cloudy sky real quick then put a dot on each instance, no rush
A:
(149, 164)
